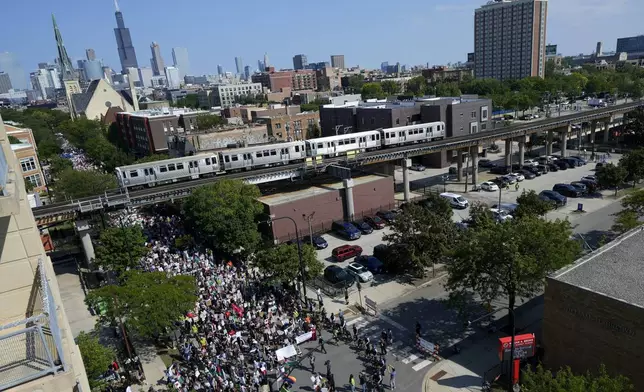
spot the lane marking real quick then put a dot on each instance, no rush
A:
(421, 365)
(409, 359)
(392, 322)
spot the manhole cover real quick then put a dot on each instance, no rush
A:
(438, 375)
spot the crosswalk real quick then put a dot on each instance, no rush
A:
(399, 350)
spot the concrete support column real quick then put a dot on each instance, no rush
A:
(508, 152)
(521, 152)
(348, 199)
(83, 228)
(459, 165)
(593, 129)
(564, 141)
(474, 154)
(549, 143)
(607, 129)
(406, 163)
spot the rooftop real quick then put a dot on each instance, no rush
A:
(614, 270)
(161, 112)
(18, 146)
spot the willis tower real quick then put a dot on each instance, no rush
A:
(127, 55)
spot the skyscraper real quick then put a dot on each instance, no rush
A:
(510, 39)
(127, 55)
(266, 63)
(172, 77)
(90, 54)
(247, 72)
(220, 70)
(337, 61)
(181, 61)
(156, 61)
(260, 65)
(239, 65)
(5, 83)
(9, 65)
(300, 61)
(67, 71)
(384, 66)
(93, 70)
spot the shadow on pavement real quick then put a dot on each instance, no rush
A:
(460, 382)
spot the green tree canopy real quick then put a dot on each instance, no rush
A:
(449, 89)
(355, 83)
(189, 101)
(510, 259)
(224, 215)
(543, 380)
(96, 357)
(416, 86)
(390, 87)
(372, 90)
(282, 264)
(634, 127)
(427, 234)
(121, 248)
(208, 121)
(58, 164)
(14, 140)
(633, 163)
(611, 176)
(631, 216)
(74, 184)
(150, 302)
(530, 204)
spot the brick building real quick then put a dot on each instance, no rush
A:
(27, 156)
(287, 127)
(277, 81)
(446, 74)
(594, 311)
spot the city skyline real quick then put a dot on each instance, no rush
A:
(455, 16)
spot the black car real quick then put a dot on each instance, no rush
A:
(502, 182)
(553, 167)
(500, 170)
(543, 169)
(563, 165)
(363, 226)
(388, 216)
(580, 186)
(580, 159)
(371, 263)
(572, 162)
(533, 169)
(556, 197)
(592, 186)
(566, 190)
(339, 276)
(318, 242)
(486, 163)
(529, 175)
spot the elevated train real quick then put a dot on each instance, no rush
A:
(248, 158)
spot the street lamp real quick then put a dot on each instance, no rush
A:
(272, 219)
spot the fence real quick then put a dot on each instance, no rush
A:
(32, 348)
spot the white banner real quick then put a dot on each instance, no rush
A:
(285, 352)
(304, 337)
(426, 346)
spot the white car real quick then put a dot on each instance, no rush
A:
(489, 186)
(530, 162)
(500, 215)
(360, 272)
(520, 177)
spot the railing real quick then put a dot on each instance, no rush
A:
(32, 347)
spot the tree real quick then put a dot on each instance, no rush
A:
(29, 186)
(509, 259)
(550, 68)
(282, 264)
(543, 380)
(74, 184)
(390, 87)
(372, 90)
(530, 204)
(634, 127)
(224, 215)
(14, 140)
(58, 164)
(208, 121)
(96, 357)
(355, 83)
(82, 130)
(150, 302)
(313, 132)
(611, 176)
(189, 101)
(635, 202)
(449, 89)
(425, 233)
(626, 220)
(121, 248)
(48, 148)
(416, 85)
(633, 163)
(153, 158)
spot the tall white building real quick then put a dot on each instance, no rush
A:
(224, 94)
(44, 81)
(266, 63)
(173, 78)
(5, 83)
(145, 76)
(239, 65)
(510, 39)
(181, 61)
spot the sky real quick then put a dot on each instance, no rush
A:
(367, 32)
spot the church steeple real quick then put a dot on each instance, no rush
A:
(66, 68)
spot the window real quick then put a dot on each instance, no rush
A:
(473, 114)
(34, 179)
(208, 161)
(278, 126)
(353, 141)
(234, 158)
(171, 166)
(397, 121)
(163, 169)
(134, 173)
(320, 145)
(273, 152)
(179, 166)
(297, 148)
(28, 164)
(258, 154)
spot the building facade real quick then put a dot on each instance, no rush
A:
(93, 70)
(337, 61)
(127, 54)
(224, 95)
(27, 156)
(90, 54)
(181, 61)
(239, 65)
(289, 127)
(156, 61)
(5, 83)
(630, 44)
(300, 61)
(446, 74)
(273, 80)
(510, 39)
(172, 77)
(304, 79)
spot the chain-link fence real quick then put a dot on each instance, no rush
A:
(32, 348)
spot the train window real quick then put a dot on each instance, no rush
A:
(401, 133)
(373, 137)
(195, 164)
(146, 172)
(226, 158)
(208, 161)
(171, 166)
(179, 166)
(134, 173)
(320, 145)
(378, 137)
(353, 141)
(297, 148)
(258, 154)
(273, 152)
(340, 142)
(266, 153)
(234, 158)
(163, 169)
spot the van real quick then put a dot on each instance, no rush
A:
(455, 200)
(346, 230)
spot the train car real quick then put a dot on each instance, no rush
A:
(418, 133)
(264, 155)
(332, 146)
(167, 170)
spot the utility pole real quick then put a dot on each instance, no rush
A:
(309, 220)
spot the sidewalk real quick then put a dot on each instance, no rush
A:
(153, 368)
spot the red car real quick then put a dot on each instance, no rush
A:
(375, 221)
(341, 253)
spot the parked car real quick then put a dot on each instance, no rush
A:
(543, 168)
(533, 170)
(388, 216)
(592, 186)
(599, 165)
(500, 181)
(553, 167)
(486, 163)
(375, 221)
(364, 227)
(580, 186)
(510, 179)
(520, 177)
(590, 178)
(500, 170)
(489, 186)
(530, 162)
(346, 230)
(556, 197)
(500, 215)
(455, 200)
(509, 207)
(580, 159)
(417, 167)
(527, 174)
(339, 276)
(359, 272)
(341, 253)
(562, 164)
(566, 190)
(373, 264)
(572, 162)
(318, 242)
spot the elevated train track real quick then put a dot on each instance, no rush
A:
(121, 198)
